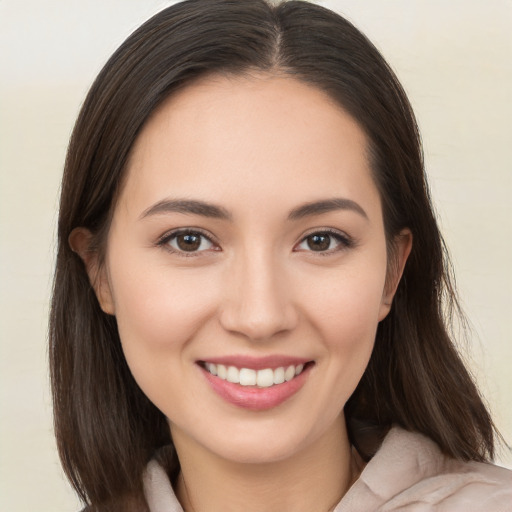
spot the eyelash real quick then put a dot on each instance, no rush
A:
(344, 241)
(165, 239)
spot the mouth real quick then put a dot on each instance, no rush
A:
(256, 384)
(263, 378)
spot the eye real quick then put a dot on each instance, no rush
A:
(187, 241)
(324, 241)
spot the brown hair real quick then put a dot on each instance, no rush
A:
(106, 428)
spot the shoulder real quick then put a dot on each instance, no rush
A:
(458, 487)
(409, 472)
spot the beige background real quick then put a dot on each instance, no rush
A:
(454, 59)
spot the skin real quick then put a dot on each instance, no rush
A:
(259, 147)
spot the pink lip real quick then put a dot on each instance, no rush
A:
(252, 397)
(257, 363)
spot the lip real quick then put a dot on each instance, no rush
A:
(251, 397)
(256, 363)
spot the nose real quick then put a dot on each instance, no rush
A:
(258, 300)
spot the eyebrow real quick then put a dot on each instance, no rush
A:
(187, 206)
(204, 209)
(326, 206)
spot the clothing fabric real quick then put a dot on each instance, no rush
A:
(407, 474)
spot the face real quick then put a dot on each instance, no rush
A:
(246, 264)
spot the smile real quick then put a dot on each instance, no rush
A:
(256, 385)
(263, 378)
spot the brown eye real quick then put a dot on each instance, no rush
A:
(319, 242)
(189, 241)
(324, 241)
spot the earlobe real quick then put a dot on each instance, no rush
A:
(402, 246)
(80, 241)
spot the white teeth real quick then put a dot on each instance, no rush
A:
(265, 378)
(279, 375)
(289, 373)
(249, 377)
(221, 371)
(233, 375)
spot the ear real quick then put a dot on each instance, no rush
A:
(402, 245)
(80, 241)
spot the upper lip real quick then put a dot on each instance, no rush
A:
(256, 363)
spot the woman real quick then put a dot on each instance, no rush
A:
(247, 309)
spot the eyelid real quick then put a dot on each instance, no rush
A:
(345, 241)
(163, 240)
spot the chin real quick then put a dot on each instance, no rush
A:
(261, 446)
(255, 453)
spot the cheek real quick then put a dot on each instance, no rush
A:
(158, 312)
(345, 311)
(157, 303)
(347, 306)
(349, 334)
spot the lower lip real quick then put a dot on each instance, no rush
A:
(254, 398)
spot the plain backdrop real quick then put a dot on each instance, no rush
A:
(455, 61)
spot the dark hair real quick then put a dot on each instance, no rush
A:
(106, 428)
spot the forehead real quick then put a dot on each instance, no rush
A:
(260, 135)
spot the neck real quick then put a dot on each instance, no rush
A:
(314, 479)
